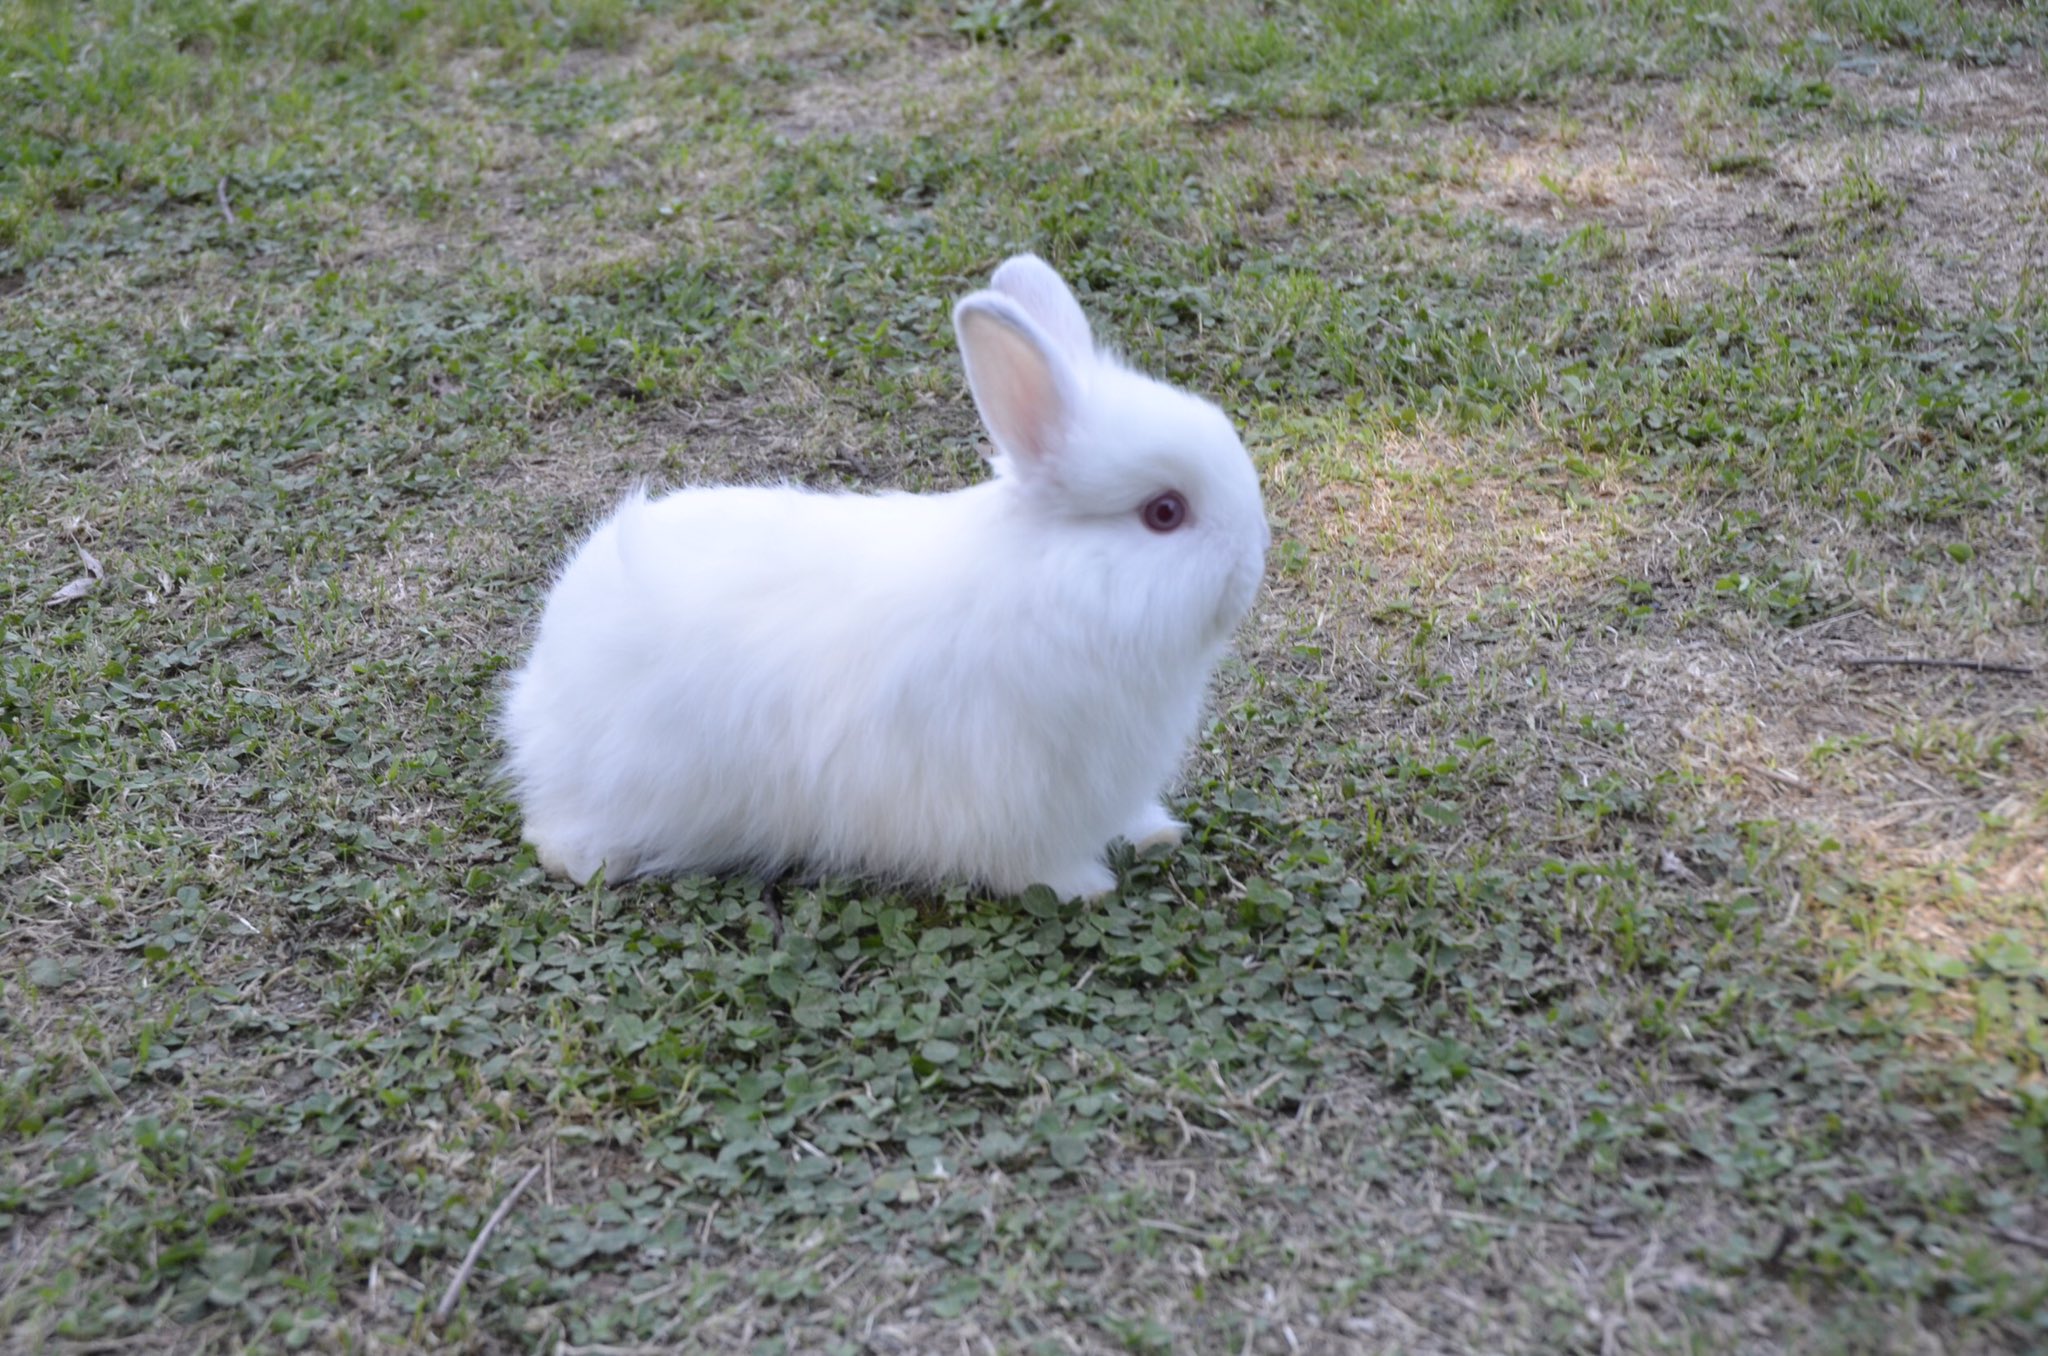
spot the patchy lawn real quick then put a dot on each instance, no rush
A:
(1581, 947)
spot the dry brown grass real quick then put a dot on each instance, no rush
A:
(1700, 195)
(1696, 190)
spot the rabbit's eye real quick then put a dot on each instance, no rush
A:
(1164, 512)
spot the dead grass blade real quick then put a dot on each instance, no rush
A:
(83, 584)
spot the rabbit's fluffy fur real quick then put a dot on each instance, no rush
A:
(981, 686)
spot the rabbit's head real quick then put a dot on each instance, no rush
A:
(1127, 475)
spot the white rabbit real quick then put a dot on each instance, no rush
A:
(982, 686)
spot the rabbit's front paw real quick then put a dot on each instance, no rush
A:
(563, 857)
(1084, 880)
(1155, 828)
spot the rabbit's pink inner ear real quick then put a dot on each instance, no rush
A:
(1044, 296)
(1019, 384)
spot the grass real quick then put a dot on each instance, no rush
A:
(1572, 953)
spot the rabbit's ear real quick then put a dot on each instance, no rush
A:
(1044, 296)
(1022, 382)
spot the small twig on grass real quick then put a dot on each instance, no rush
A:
(1778, 775)
(2024, 1240)
(1973, 664)
(220, 192)
(476, 1247)
(1786, 1237)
